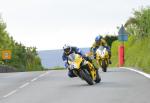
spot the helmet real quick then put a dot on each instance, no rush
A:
(66, 49)
(98, 38)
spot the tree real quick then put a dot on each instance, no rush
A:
(110, 39)
(23, 58)
(139, 25)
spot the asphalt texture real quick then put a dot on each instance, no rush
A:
(54, 86)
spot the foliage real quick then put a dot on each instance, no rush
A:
(110, 39)
(57, 68)
(23, 58)
(137, 47)
(136, 53)
(139, 25)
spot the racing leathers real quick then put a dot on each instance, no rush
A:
(77, 51)
(96, 45)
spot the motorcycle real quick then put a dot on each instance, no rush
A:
(83, 69)
(102, 58)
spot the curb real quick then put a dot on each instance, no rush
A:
(137, 71)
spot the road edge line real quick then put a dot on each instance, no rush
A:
(137, 71)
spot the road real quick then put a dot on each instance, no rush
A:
(117, 86)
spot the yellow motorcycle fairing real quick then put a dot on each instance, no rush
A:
(92, 70)
(77, 61)
(99, 59)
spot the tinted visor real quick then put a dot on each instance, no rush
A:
(97, 42)
(67, 50)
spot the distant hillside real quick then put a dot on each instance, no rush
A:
(52, 58)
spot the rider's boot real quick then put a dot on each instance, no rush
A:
(109, 61)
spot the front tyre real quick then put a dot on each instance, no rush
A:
(98, 78)
(86, 76)
(104, 66)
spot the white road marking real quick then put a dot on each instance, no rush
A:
(11, 93)
(42, 75)
(24, 85)
(47, 72)
(137, 71)
(34, 79)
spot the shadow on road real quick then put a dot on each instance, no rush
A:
(99, 85)
(77, 85)
(112, 85)
(114, 70)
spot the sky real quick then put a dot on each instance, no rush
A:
(49, 24)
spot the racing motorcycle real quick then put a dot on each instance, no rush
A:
(83, 69)
(102, 58)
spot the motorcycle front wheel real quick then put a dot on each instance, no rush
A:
(86, 76)
(104, 66)
(98, 78)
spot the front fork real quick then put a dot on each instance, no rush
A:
(99, 62)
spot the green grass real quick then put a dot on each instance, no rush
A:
(57, 68)
(136, 53)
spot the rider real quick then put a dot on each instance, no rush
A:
(67, 51)
(100, 41)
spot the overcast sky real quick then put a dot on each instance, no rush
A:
(49, 24)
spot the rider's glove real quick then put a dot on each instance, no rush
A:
(88, 59)
(66, 65)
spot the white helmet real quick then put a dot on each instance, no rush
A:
(67, 48)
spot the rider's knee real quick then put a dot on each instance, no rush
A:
(71, 74)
